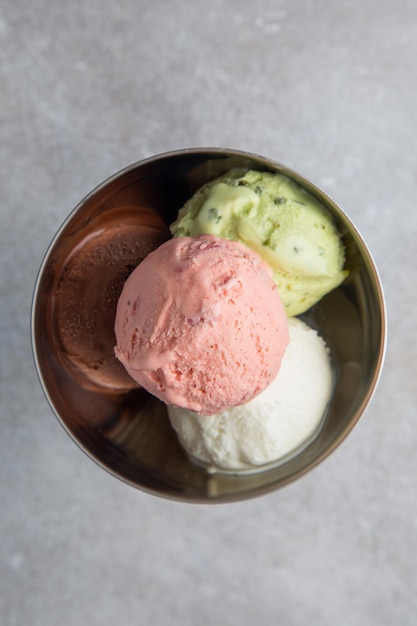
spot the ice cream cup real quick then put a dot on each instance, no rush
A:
(123, 428)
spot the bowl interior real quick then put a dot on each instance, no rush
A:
(127, 431)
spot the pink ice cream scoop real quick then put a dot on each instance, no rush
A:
(200, 324)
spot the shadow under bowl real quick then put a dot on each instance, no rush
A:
(124, 429)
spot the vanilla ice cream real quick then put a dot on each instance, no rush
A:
(275, 423)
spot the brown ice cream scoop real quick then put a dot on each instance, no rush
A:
(89, 287)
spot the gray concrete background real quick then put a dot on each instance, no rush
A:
(328, 88)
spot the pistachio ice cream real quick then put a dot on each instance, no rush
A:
(289, 229)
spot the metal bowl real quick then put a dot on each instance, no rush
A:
(125, 430)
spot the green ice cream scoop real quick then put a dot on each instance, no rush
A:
(290, 230)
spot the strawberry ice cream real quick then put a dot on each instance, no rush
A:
(200, 324)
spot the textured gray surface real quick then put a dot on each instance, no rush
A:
(327, 88)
